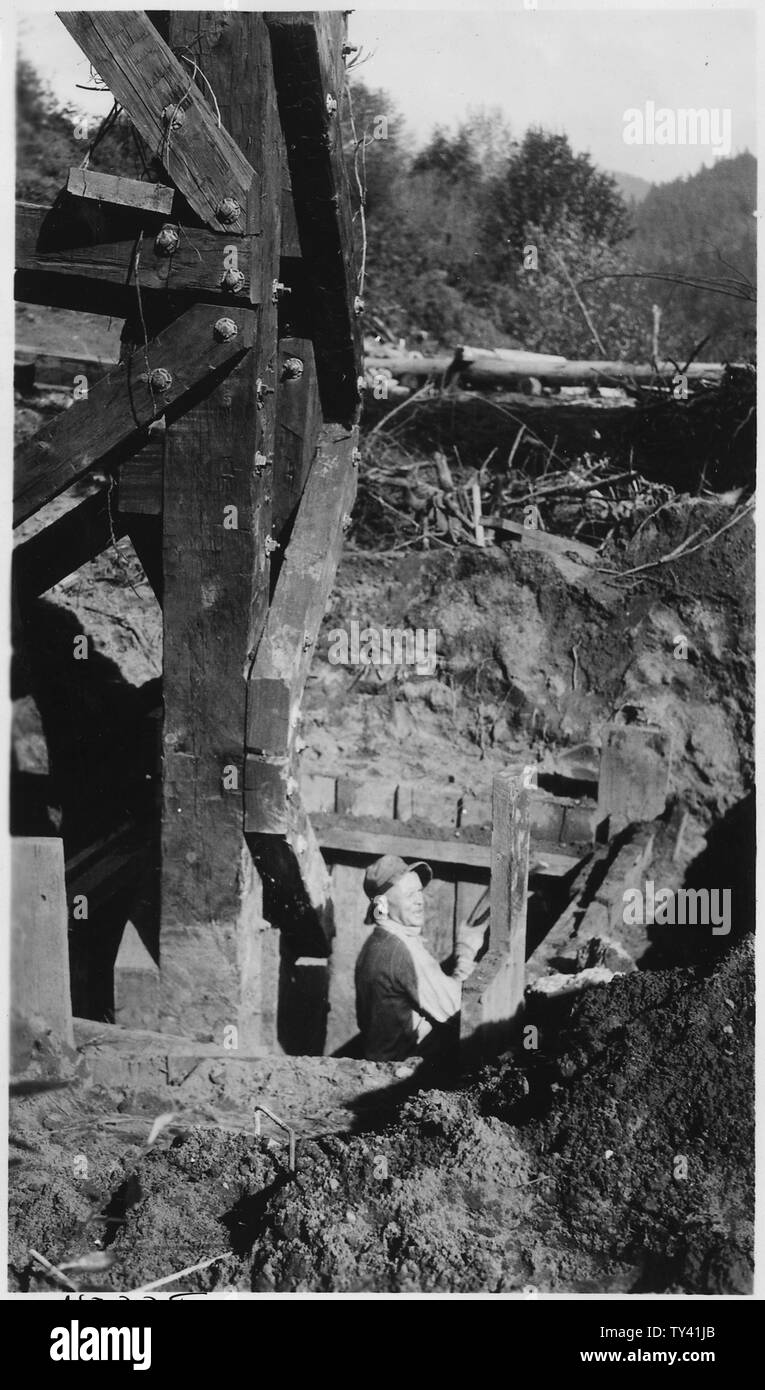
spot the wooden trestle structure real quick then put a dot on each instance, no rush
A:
(228, 434)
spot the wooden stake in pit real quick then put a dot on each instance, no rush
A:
(492, 998)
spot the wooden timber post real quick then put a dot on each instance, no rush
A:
(492, 998)
(218, 957)
(230, 426)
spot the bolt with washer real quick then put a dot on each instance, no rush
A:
(228, 210)
(234, 280)
(167, 240)
(173, 117)
(225, 329)
(160, 380)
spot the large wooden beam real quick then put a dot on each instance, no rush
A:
(310, 80)
(166, 107)
(85, 255)
(116, 411)
(218, 954)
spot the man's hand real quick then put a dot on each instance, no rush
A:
(469, 942)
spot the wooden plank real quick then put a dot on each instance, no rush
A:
(439, 917)
(345, 838)
(39, 946)
(492, 998)
(350, 906)
(534, 538)
(52, 370)
(298, 419)
(633, 784)
(114, 188)
(202, 158)
(283, 658)
(82, 255)
(117, 410)
(219, 958)
(136, 983)
(310, 77)
(339, 836)
(59, 549)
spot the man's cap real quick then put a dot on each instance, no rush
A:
(386, 871)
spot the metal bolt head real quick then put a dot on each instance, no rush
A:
(228, 210)
(331, 104)
(293, 369)
(160, 379)
(271, 545)
(173, 117)
(234, 280)
(167, 240)
(225, 330)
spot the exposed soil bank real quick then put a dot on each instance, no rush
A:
(537, 655)
(619, 1158)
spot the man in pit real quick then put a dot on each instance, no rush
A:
(404, 998)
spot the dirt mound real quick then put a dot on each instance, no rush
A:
(620, 1161)
(639, 1175)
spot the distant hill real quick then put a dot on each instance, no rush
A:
(703, 227)
(632, 188)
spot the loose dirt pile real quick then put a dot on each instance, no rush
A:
(619, 1159)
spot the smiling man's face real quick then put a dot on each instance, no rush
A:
(407, 900)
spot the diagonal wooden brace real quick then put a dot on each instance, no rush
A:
(192, 352)
(283, 657)
(279, 831)
(169, 111)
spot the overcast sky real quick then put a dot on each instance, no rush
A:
(566, 68)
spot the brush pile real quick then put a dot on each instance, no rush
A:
(406, 501)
